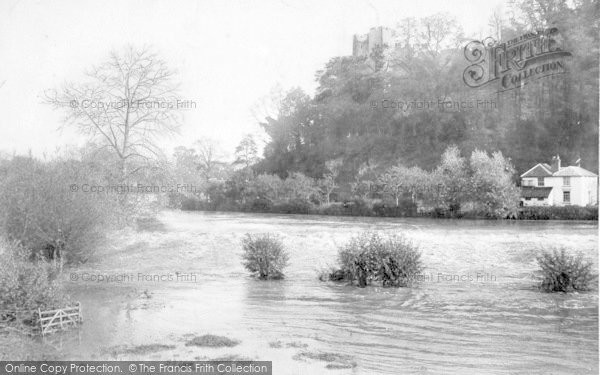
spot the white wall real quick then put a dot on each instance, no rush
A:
(590, 190)
(584, 191)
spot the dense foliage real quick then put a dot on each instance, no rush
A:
(482, 183)
(346, 120)
(59, 209)
(26, 285)
(264, 256)
(340, 152)
(565, 273)
(558, 213)
(389, 260)
(41, 210)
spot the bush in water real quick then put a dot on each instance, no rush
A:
(333, 274)
(391, 260)
(565, 273)
(264, 255)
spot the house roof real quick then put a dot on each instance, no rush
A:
(535, 191)
(539, 170)
(574, 171)
(551, 168)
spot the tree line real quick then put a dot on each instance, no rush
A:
(481, 182)
(557, 115)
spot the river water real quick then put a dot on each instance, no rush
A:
(477, 309)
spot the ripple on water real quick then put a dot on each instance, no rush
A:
(504, 325)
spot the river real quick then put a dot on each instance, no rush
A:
(477, 309)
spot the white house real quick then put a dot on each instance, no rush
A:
(553, 185)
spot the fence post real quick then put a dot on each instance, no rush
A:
(41, 323)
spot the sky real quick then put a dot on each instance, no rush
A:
(228, 54)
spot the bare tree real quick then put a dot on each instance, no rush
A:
(328, 183)
(405, 32)
(127, 102)
(364, 180)
(438, 32)
(208, 157)
(496, 23)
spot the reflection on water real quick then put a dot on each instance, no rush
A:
(476, 310)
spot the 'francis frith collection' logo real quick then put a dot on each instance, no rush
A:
(516, 62)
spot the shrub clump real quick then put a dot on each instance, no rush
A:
(370, 257)
(42, 207)
(558, 213)
(565, 273)
(264, 255)
(293, 206)
(26, 285)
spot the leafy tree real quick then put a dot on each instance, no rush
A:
(239, 187)
(246, 152)
(186, 166)
(399, 181)
(453, 173)
(392, 183)
(299, 186)
(364, 181)
(492, 183)
(268, 186)
(417, 182)
(292, 139)
(424, 69)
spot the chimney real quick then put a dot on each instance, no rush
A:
(556, 163)
(578, 162)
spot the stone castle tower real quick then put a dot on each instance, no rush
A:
(362, 45)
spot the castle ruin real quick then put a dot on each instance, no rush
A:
(362, 45)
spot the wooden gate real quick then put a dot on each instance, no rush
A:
(59, 319)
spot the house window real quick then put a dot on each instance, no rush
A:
(566, 196)
(540, 181)
(527, 198)
(566, 181)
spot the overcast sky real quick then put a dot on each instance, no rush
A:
(228, 54)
